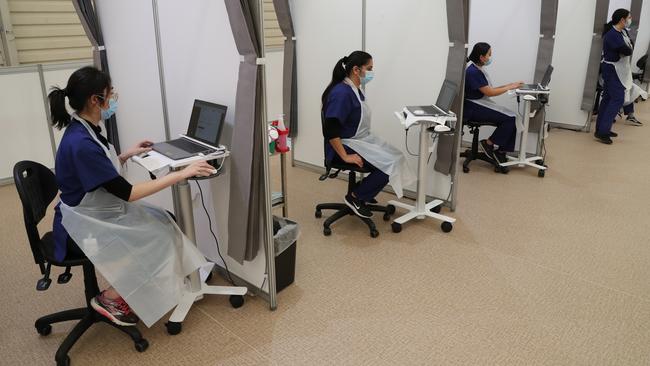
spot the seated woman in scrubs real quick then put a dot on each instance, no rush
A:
(480, 107)
(346, 128)
(83, 166)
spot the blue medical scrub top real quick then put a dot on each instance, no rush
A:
(612, 41)
(474, 80)
(81, 166)
(342, 104)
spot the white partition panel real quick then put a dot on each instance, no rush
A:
(410, 61)
(274, 70)
(575, 23)
(617, 4)
(643, 36)
(326, 31)
(206, 69)
(128, 30)
(22, 116)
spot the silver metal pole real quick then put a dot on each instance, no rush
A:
(268, 222)
(161, 68)
(364, 7)
(187, 224)
(48, 116)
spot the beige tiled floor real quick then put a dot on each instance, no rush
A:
(549, 271)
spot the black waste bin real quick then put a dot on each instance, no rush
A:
(285, 235)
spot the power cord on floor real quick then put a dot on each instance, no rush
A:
(213, 234)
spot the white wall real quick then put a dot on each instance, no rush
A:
(410, 62)
(573, 37)
(205, 68)
(643, 36)
(321, 43)
(24, 122)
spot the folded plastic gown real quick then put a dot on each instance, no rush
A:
(138, 248)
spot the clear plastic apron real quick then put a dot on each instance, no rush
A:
(138, 248)
(486, 101)
(624, 72)
(377, 152)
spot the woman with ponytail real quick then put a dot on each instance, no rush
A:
(87, 174)
(480, 107)
(346, 128)
(616, 70)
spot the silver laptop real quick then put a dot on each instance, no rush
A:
(203, 133)
(545, 81)
(446, 97)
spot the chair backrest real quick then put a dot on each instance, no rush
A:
(37, 188)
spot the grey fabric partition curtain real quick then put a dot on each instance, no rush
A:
(593, 66)
(635, 10)
(456, 60)
(246, 210)
(289, 78)
(547, 26)
(90, 22)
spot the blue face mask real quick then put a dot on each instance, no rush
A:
(368, 77)
(110, 111)
(488, 62)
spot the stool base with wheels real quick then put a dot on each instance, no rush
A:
(473, 153)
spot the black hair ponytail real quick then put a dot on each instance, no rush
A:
(480, 49)
(343, 68)
(82, 84)
(616, 18)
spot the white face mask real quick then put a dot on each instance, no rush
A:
(628, 23)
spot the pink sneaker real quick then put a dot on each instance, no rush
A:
(116, 310)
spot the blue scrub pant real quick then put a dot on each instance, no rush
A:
(612, 101)
(628, 109)
(506, 133)
(372, 184)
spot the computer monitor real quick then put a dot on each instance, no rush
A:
(448, 92)
(206, 122)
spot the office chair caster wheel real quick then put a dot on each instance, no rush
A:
(465, 169)
(390, 209)
(327, 231)
(436, 209)
(318, 214)
(386, 216)
(141, 345)
(44, 329)
(173, 328)
(541, 173)
(236, 301)
(374, 233)
(397, 227)
(64, 362)
(446, 226)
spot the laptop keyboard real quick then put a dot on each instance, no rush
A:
(189, 146)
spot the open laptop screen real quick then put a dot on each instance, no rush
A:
(206, 122)
(447, 95)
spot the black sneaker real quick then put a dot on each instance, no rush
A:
(116, 310)
(501, 156)
(358, 207)
(488, 150)
(613, 134)
(633, 121)
(604, 139)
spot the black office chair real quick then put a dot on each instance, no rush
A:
(472, 153)
(36, 186)
(342, 210)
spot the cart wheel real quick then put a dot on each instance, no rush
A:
(436, 209)
(541, 173)
(465, 169)
(374, 233)
(327, 231)
(237, 301)
(173, 328)
(65, 362)
(318, 214)
(141, 345)
(504, 170)
(446, 226)
(44, 329)
(390, 209)
(397, 228)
